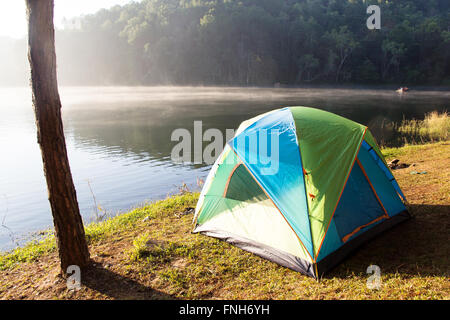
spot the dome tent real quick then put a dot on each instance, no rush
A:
(329, 190)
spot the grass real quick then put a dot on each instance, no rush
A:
(150, 253)
(96, 231)
(433, 128)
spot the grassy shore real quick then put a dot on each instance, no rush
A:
(434, 127)
(149, 253)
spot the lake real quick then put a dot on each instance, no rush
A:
(119, 145)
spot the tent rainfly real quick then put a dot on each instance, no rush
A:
(323, 190)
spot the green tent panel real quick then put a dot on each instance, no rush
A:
(301, 187)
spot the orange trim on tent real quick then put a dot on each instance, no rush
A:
(305, 176)
(345, 239)
(340, 195)
(317, 272)
(229, 178)
(262, 188)
(371, 186)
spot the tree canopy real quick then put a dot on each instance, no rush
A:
(258, 42)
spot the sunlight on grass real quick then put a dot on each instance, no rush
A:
(140, 248)
(153, 245)
(29, 252)
(98, 231)
(435, 127)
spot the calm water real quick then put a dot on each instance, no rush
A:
(118, 140)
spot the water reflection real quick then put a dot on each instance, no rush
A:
(118, 138)
(140, 121)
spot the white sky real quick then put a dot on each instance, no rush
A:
(13, 19)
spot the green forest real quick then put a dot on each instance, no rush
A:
(258, 42)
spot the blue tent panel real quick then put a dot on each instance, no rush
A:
(331, 242)
(358, 207)
(383, 167)
(279, 173)
(383, 187)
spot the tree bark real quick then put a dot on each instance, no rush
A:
(69, 230)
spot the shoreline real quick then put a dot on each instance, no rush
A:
(326, 86)
(181, 264)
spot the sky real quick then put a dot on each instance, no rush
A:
(13, 21)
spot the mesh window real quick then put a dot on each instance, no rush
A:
(243, 187)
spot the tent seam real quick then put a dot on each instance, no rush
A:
(225, 191)
(268, 196)
(401, 195)
(304, 183)
(359, 228)
(372, 187)
(340, 195)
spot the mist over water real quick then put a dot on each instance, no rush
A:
(118, 139)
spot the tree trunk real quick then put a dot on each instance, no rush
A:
(69, 230)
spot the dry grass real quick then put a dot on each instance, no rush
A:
(433, 128)
(160, 259)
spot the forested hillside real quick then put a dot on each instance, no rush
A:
(258, 42)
